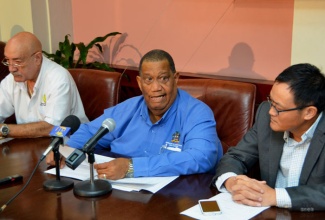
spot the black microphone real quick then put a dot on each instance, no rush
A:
(92, 187)
(68, 126)
(107, 126)
(77, 156)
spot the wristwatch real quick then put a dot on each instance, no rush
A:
(4, 130)
(130, 172)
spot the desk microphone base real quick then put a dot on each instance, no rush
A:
(53, 185)
(92, 189)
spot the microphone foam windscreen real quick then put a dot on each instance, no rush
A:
(71, 121)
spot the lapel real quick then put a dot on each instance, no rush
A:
(315, 148)
(272, 145)
(275, 153)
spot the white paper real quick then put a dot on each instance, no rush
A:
(230, 210)
(82, 172)
(3, 140)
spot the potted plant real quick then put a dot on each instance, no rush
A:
(66, 53)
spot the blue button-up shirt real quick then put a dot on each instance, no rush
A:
(183, 141)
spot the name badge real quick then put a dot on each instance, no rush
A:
(172, 147)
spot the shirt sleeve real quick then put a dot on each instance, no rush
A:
(221, 179)
(200, 152)
(59, 95)
(186, 162)
(283, 199)
(58, 104)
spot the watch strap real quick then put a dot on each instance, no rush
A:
(130, 172)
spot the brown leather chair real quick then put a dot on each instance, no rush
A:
(98, 89)
(232, 103)
(3, 69)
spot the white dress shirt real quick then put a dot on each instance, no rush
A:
(292, 160)
(54, 98)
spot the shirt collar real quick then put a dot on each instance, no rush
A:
(308, 134)
(145, 111)
(38, 80)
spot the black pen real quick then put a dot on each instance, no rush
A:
(11, 179)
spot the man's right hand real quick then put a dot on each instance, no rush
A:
(50, 160)
(246, 190)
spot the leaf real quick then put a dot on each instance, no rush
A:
(65, 54)
(83, 53)
(100, 48)
(102, 66)
(101, 39)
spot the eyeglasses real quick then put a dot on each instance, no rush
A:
(17, 64)
(284, 110)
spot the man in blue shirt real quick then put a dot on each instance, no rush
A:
(163, 132)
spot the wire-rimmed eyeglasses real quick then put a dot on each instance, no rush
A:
(17, 64)
(284, 110)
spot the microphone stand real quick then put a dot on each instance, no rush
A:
(57, 184)
(92, 187)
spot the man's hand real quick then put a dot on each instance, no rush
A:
(250, 191)
(114, 169)
(51, 162)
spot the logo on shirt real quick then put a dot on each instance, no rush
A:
(43, 101)
(175, 138)
(173, 145)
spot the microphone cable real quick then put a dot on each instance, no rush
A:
(70, 121)
(22, 189)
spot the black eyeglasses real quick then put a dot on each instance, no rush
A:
(284, 110)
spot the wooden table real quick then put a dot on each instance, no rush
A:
(20, 156)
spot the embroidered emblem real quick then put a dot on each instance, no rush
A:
(176, 136)
(43, 102)
(173, 145)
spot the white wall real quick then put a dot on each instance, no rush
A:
(308, 40)
(48, 20)
(15, 16)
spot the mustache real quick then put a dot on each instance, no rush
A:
(16, 74)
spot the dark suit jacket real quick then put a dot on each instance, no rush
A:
(261, 144)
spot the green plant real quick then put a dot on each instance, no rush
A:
(66, 53)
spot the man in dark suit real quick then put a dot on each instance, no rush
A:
(287, 140)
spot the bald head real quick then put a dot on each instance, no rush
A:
(24, 43)
(24, 50)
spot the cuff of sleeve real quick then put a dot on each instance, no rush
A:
(140, 166)
(221, 179)
(283, 199)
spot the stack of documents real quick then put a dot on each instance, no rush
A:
(82, 172)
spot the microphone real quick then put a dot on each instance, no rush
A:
(92, 187)
(108, 125)
(70, 123)
(77, 156)
(68, 126)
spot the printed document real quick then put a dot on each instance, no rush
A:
(230, 210)
(82, 172)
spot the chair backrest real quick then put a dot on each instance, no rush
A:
(4, 70)
(232, 103)
(98, 89)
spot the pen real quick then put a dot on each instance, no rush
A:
(11, 179)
